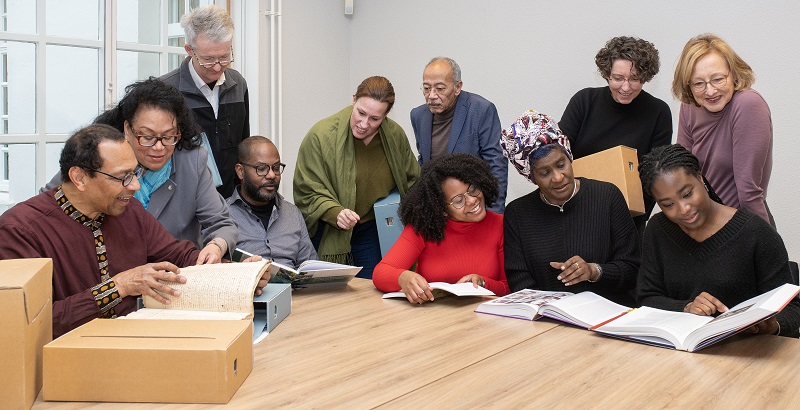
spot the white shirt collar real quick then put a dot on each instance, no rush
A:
(199, 81)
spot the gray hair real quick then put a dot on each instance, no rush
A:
(213, 22)
(453, 66)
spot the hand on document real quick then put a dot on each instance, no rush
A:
(144, 280)
(477, 280)
(415, 287)
(264, 278)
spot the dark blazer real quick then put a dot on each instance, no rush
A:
(475, 130)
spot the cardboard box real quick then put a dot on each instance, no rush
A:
(26, 320)
(164, 361)
(619, 166)
(388, 221)
(271, 307)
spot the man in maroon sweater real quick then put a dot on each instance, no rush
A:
(106, 248)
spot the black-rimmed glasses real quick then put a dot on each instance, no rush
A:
(717, 82)
(151, 140)
(125, 179)
(210, 62)
(460, 200)
(262, 170)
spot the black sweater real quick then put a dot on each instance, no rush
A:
(595, 225)
(745, 258)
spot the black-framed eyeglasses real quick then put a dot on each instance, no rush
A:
(262, 170)
(150, 140)
(125, 179)
(460, 200)
(210, 62)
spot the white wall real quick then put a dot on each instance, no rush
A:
(524, 54)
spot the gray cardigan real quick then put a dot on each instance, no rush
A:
(188, 204)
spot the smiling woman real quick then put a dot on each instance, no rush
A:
(700, 256)
(571, 234)
(448, 231)
(176, 186)
(337, 201)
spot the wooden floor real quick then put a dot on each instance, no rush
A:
(348, 348)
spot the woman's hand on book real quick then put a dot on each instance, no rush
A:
(768, 326)
(705, 305)
(477, 280)
(415, 287)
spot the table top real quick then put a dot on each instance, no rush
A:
(347, 347)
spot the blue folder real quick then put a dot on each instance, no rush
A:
(388, 220)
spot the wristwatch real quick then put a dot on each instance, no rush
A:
(599, 270)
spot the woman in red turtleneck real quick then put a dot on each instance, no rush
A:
(448, 232)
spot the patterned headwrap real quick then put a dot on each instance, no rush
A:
(529, 132)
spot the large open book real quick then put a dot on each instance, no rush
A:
(441, 289)
(584, 309)
(689, 332)
(211, 292)
(313, 273)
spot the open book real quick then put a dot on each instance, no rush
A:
(443, 289)
(211, 292)
(309, 273)
(585, 309)
(689, 332)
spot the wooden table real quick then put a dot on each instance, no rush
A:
(348, 348)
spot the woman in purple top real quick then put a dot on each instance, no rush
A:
(725, 123)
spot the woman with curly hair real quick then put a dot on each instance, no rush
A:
(176, 185)
(621, 113)
(726, 124)
(700, 256)
(448, 231)
(571, 234)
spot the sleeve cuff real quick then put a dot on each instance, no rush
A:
(107, 297)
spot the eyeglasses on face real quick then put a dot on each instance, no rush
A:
(150, 140)
(716, 82)
(210, 62)
(460, 200)
(125, 179)
(262, 170)
(618, 80)
(439, 89)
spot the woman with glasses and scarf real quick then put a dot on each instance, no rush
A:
(176, 186)
(726, 124)
(571, 234)
(448, 231)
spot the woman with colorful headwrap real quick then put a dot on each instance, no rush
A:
(571, 234)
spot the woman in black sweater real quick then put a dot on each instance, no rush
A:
(700, 256)
(571, 234)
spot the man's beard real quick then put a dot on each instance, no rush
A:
(254, 190)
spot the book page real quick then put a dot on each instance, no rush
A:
(215, 287)
(174, 314)
(673, 326)
(462, 289)
(530, 297)
(585, 309)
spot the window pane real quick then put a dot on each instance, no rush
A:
(52, 154)
(175, 61)
(72, 100)
(138, 21)
(19, 16)
(17, 87)
(73, 19)
(133, 66)
(18, 181)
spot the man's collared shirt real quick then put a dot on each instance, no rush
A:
(211, 95)
(286, 239)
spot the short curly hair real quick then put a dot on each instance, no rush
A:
(154, 93)
(424, 206)
(641, 53)
(82, 149)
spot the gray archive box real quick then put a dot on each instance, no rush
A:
(271, 307)
(388, 221)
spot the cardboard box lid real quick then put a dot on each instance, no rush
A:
(24, 274)
(135, 334)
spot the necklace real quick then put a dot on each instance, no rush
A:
(561, 207)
